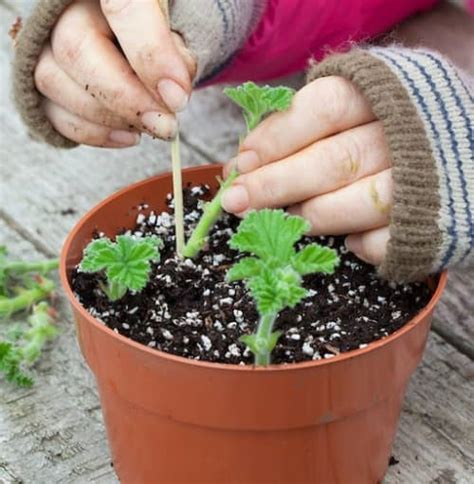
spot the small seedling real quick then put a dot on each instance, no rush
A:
(125, 262)
(256, 103)
(274, 272)
(22, 283)
(24, 347)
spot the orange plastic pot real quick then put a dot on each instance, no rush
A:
(170, 419)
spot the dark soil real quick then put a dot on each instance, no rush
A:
(189, 310)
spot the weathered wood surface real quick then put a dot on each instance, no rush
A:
(53, 433)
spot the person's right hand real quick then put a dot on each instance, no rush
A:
(100, 94)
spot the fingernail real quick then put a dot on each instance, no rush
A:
(173, 95)
(235, 199)
(124, 138)
(246, 161)
(353, 244)
(162, 125)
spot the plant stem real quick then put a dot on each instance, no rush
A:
(41, 331)
(178, 196)
(26, 298)
(114, 290)
(264, 331)
(211, 214)
(23, 267)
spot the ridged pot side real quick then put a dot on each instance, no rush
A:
(170, 419)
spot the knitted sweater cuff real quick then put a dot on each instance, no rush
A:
(427, 113)
(212, 29)
(30, 42)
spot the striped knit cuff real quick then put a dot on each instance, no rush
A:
(427, 113)
(214, 30)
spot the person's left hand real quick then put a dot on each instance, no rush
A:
(326, 159)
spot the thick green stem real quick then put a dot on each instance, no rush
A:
(24, 267)
(26, 298)
(114, 290)
(212, 212)
(264, 333)
(178, 196)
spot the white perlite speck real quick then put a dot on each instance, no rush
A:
(167, 334)
(206, 342)
(307, 349)
(226, 300)
(234, 350)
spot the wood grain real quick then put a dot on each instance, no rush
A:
(54, 433)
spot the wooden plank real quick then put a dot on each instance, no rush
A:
(53, 432)
(436, 432)
(455, 313)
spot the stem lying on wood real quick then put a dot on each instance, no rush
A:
(15, 268)
(26, 298)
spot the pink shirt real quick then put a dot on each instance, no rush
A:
(292, 31)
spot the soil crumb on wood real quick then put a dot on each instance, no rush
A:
(188, 309)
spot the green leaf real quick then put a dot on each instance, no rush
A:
(315, 258)
(274, 290)
(269, 234)
(10, 365)
(278, 98)
(273, 340)
(259, 345)
(98, 255)
(259, 101)
(246, 268)
(127, 262)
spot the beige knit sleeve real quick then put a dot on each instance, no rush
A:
(30, 42)
(213, 31)
(427, 112)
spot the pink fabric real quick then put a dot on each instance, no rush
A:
(292, 31)
(470, 4)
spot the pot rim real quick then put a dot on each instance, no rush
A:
(440, 286)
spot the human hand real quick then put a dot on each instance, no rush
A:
(100, 94)
(326, 159)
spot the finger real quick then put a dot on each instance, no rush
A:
(188, 58)
(90, 58)
(322, 108)
(152, 54)
(56, 85)
(84, 132)
(363, 205)
(320, 168)
(370, 246)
